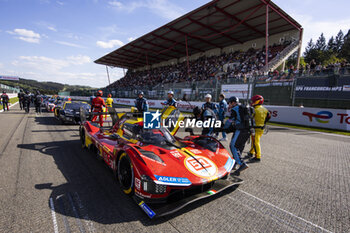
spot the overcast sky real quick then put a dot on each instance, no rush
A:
(58, 40)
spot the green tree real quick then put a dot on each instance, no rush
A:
(331, 46)
(321, 43)
(339, 41)
(345, 49)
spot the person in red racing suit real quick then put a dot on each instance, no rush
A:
(97, 104)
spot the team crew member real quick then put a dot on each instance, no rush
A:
(38, 99)
(26, 101)
(141, 103)
(5, 101)
(206, 114)
(241, 132)
(261, 116)
(170, 101)
(109, 101)
(97, 106)
(222, 109)
(20, 99)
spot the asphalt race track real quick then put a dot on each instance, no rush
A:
(49, 184)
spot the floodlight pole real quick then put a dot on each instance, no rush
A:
(109, 80)
(188, 62)
(267, 38)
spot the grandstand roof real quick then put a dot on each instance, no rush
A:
(217, 24)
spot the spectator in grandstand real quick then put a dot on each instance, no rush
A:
(171, 101)
(222, 109)
(97, 107)
(141, 103)
(240, 65)
(5, 101)
(261, 116)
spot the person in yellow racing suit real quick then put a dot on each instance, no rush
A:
(261, 116)
(109, 101)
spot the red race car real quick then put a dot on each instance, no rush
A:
(154, 166)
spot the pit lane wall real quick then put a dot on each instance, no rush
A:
(338, 119)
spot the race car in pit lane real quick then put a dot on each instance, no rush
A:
(69, 111)
(155, 166)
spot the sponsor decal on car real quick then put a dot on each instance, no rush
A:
(176, 154)
(147, 210)
(229, 164)
(201, 166)
(137, 183)
(168, 180)
(212, 192)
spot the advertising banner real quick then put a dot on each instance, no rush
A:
(11, 78)
(238, 90)
(323, 88)
(314, 117)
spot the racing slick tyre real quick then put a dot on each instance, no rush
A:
(125, 173)
(82, 137)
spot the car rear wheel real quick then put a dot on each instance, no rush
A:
(125, 174)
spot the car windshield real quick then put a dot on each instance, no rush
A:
(153, 136)
(76, 105)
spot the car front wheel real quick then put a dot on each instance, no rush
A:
(125, 174)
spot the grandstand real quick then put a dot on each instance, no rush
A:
(223, 39)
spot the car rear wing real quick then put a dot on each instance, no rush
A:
(86, 115)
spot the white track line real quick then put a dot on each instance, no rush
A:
(53, 214)
(285, 211)
(9, 106)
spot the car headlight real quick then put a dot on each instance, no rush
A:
(149, 186)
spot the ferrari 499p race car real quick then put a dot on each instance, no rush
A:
(154, 166)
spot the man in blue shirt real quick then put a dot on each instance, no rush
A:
(170, 101)
(209, 110)
(141, 103)
(241, 132)
(222, 109)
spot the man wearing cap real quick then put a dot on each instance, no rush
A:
(170, 101)
(141, 103)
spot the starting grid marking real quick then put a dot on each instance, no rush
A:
(281, 216)
(79, 213)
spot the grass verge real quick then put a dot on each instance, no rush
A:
(311, 128)
(12, 101)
